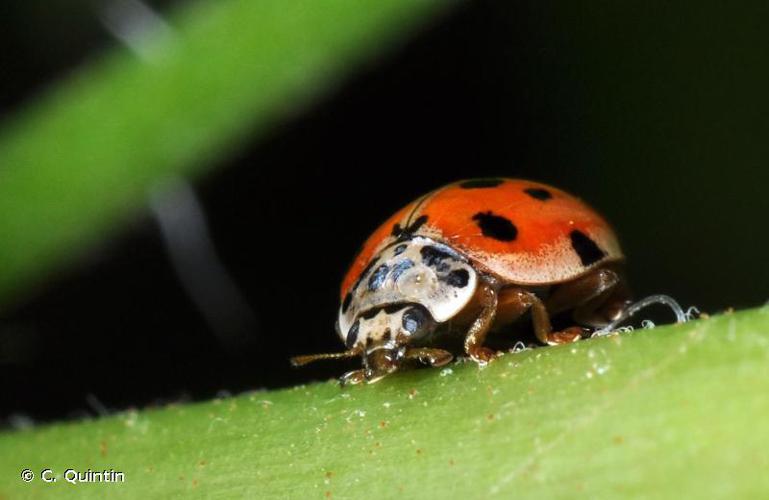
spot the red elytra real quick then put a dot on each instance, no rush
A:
(544, 218)
(473, 257)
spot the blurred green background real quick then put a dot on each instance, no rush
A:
(304, 125)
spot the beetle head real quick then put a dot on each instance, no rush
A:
(382, 336)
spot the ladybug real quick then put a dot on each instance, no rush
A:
(470, 258)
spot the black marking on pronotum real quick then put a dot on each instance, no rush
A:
(539, 193)
(346, 302)
(457, 278)
(434, 257)
(389, 309)
(481, 183)
(378, 277)
(400, 267)
(408, 231)
(413, 319)
(495, 226)
(400, 249)
(365, 272)
(352, 335)
(587, 249)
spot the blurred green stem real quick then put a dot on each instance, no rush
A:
(79, 161)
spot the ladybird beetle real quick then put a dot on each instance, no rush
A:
(472, 257)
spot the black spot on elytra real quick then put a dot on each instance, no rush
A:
(400, 267)
(378, 277)
(481, 183)
(434, 256)
(408, 232)
(419, 222)
(539, 193)
(352, 335)
(346, 302)
(457, 278)
(413, 319)
(495, 226)
(587, 249)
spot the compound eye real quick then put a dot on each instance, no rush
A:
(414, 319)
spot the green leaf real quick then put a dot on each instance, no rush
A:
(651, 413)
(81, 159)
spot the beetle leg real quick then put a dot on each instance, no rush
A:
(476, 334)
(514, 302)
(429, 355)
(597, 298)
(352, 378)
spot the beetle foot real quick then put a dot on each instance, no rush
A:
(352, 378)
(567, 336)
(429, 355)
(482, 355)
(439, 359)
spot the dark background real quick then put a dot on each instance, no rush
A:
(656, 114)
